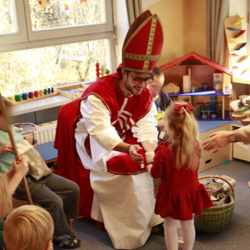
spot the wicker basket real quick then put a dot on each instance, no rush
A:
(214, 219)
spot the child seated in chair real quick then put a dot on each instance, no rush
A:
(57, 195)
(29, 227)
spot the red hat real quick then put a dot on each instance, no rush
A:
(143, 44)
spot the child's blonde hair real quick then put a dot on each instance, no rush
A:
(185, 132)
(28, 227)
(5, 197)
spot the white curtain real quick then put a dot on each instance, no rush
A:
(217, 11)
(134, 8)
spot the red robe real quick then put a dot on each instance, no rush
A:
(69, 163)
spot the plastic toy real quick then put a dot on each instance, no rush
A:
(205, 85)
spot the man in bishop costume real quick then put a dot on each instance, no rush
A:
(115, 125)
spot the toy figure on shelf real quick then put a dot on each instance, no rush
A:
(219, 107)
(205, 85)
(194, 88)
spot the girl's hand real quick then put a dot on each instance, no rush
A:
(20, 166)
(7, 147)
(137, 158)
(149, 167)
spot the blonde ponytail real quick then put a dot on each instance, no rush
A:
(185, 142)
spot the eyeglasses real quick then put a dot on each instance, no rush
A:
(139, 80)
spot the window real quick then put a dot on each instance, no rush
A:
(66, 14)
(64, 39)
(41, 68)
(8, 17)
(12, 22)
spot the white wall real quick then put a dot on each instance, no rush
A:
(146, 3)
(121, 26)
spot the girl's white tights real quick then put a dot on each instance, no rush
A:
(171, 236)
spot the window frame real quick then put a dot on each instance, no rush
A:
(21, 34)
(24, 44)
(70, 31)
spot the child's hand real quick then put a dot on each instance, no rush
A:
(149, 167)
(20, 166)
(7, 147)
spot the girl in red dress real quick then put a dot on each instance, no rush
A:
(180, 194)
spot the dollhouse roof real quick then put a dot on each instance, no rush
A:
(194, 58)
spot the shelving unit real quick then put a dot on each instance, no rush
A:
(236, 39)
(207, 92)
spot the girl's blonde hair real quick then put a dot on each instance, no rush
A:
(5, 197)
(185, 133)
(28, 227)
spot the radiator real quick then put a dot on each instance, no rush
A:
(46, 132)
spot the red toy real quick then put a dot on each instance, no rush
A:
(97, 70)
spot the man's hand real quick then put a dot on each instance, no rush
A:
(137, 158)
(20, 166)
(7, 147)
(29, 139)
(217, 141)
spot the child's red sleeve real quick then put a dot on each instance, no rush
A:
(159, 161)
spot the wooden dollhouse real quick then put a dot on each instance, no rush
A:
(201, 81)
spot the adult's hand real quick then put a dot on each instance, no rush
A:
(7, 147)
(217, 141)
(137, 158)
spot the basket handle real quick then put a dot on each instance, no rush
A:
(218, 177)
